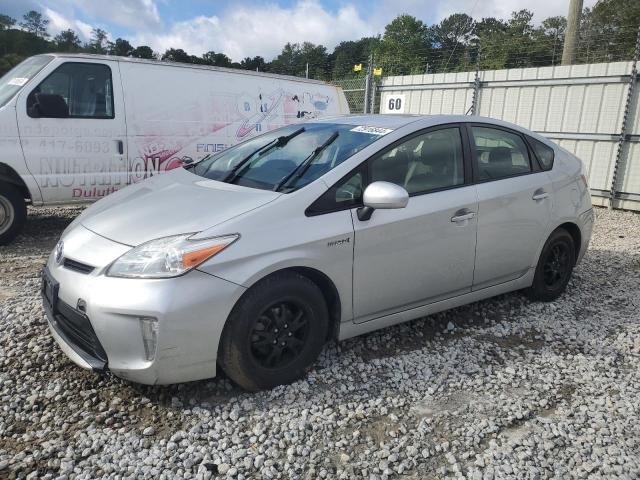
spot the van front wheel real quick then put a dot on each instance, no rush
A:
(13, 212)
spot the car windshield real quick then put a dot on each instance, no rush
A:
(12, 81)
(288, 158)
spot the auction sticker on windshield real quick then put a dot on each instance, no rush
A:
(19, 81)
(372, 130)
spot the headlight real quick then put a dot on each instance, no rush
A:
(168, 257)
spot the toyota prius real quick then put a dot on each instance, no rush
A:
(250, 260)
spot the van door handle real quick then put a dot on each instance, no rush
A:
(539, 194)
(120, 147)
(463, 215)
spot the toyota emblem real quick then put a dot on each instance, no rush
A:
(59, 252)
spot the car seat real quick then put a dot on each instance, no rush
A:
(390, 169)
(433, 166)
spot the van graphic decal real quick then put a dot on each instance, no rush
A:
(87, 162)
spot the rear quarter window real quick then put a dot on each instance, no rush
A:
(544, 153)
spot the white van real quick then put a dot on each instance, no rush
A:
(76, 127)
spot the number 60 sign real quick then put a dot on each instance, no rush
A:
(393, 104)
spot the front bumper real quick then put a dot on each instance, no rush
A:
(106, 332)
(71, 328)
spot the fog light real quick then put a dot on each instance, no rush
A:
(149, 327)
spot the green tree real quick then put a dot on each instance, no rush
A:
(525, 42)
(553, 29)
(405, 46)
(143, 51)
(490, 36)
(451, 40)
(98, 42)
(349, 53)
(608, 31)
(256, 63)
(67, 41)
(217, 59)
(286, 62)
(294, 58)
(33, 22)
(176, 55)
(317, 60)
(516, 43)
(6, 22)
(121, 48)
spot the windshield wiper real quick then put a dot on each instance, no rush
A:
(191, 163)
(278, 142)
(301, 169)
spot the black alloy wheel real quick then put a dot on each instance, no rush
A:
(554, 268)
(275, 331)
(279, 334)
(556, 265)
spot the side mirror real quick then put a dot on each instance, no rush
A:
(49, 106)
(382, 195)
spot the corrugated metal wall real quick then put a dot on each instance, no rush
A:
(581, 107)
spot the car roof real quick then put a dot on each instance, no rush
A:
(396, 121)
(372, 120)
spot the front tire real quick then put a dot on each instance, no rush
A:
(554, 268)
(13, 212)
(275, 332)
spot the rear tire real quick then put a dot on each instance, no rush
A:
(13, 212)
(554, 268)
(275, 332)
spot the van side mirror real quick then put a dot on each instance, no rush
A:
(382, 195)
(49, 105)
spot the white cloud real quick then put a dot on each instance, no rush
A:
(59, 22)
(134, 14)
(262, 30)
(85, 30)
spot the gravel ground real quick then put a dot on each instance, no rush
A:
(502, 388)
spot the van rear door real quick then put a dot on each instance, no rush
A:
(73, 131)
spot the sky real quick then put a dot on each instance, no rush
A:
(246, 28)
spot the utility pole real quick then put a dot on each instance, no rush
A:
(306, 74)
(571, 35)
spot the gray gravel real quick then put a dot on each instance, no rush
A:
(503, 388)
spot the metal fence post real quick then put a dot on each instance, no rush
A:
(622, 140)
(372, 99)
(476, 87)
(367, 85)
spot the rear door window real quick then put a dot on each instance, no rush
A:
(499, 153)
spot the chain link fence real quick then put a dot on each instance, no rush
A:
(355, 91)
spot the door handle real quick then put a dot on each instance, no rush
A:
(463, 215)
(539, 194)
(120, 147)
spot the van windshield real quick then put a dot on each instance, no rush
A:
(12, 81)
(288, 158)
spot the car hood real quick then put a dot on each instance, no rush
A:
(172, 203)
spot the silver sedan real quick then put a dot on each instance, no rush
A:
(251, 259)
